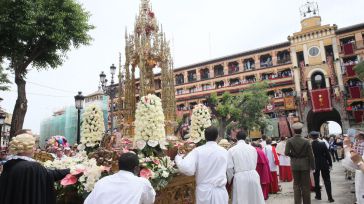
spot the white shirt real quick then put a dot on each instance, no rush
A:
(122, 188)
(269, 153)
(209, 164)
(242, 162)
(283, 159)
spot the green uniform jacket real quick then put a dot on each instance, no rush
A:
(300, 151)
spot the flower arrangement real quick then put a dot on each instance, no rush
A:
(159, 170)
(80, 165)
(92, 126)
(149, 123)
(200, 120)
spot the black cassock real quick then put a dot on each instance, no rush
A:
(28, 182)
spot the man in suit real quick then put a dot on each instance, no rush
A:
(302, 161)
(323, 164)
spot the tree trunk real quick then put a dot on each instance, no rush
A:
(21, 105)
(222, 129)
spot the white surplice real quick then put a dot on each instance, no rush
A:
(283, 159)
(122, 188)
(269, 153)
(242, 162)
(209, 164)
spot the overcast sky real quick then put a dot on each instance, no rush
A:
(198, 30)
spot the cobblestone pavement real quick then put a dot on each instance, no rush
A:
(340, 186)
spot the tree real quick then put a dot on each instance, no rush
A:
(37, 34)
(4, 80)
(359, 69)
(245, 108)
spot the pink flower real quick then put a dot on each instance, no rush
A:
(125, 150)
(156, 161)
(68, 180)
(146, 173)
(79, 169)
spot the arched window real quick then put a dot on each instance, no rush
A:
(318, 80)
(205, 73)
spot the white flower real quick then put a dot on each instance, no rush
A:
(152, 143)
(200, 120)
(140, 144)
(149, 120)
(92, 126)
(165, 174)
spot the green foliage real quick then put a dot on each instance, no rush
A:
(41, 32)
(359, 69)
(4, 80)
(246, 108)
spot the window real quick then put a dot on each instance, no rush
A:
(179, 91)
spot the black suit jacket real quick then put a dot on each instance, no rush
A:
(322, 155)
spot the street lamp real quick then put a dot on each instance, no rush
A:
(2, 120)
(109, 91)
(79, 105)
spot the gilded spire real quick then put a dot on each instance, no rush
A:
(145, 49)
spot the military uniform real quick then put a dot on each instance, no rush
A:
(302, 161)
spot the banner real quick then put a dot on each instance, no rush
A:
(284, 127)
(289, 103)
(321, 100)
(271, 130)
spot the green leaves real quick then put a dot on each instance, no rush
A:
(41, 31)
(4, 81)
(246, 108)
(359, 69)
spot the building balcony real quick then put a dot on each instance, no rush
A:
(266, 64)
(349, 70)
(205, 76)
(284, 61)
(192, 79)
(355, 92)
(350, 47)
(219, 73)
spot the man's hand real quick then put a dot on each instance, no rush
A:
(355, 157)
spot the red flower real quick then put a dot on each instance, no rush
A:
(146, 173)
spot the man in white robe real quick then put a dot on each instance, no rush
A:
(352, 161)
(123, 187)
(209, 164)
(242, 162)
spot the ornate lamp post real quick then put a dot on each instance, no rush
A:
(2, 120)
(109, 91)
(79, 105)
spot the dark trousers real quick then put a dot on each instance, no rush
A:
(325, 173)
(334, 155)
(301, 187)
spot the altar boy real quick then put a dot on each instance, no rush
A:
(209, 164)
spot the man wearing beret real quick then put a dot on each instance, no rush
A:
(302, 161)
(323, 164)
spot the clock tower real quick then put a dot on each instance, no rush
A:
(317, 71)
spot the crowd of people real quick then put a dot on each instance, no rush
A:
(244, 172)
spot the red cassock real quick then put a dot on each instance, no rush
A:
(274, 188)
(264, 172)
(285, 173)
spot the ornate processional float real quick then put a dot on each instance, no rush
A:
(151, 122)
(147, 49)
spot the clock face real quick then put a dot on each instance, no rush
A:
(313, 51)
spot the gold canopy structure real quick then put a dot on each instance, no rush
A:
(146, 49)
